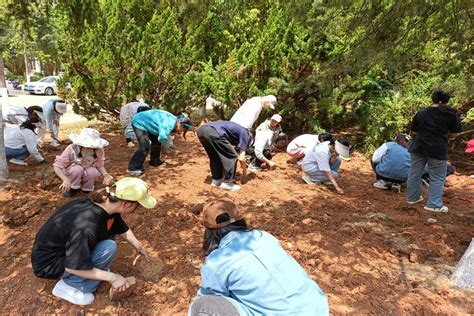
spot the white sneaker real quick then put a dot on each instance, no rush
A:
(442, 209)
(18, 162)
(381, 184)
(73, 295)
(229, 186)
(307, 179)
(135, 172)
(215, 183)
(417, 201)
(254, 169)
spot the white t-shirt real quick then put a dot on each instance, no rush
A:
(248, 113)
(302, 144)
(317, 159)
(16, 137)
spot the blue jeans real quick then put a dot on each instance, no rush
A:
(102, 257)
(18, 153)
(320, 176)
(437, 173)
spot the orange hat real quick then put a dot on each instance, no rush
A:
(214, 209)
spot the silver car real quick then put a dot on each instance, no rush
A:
(46, 86)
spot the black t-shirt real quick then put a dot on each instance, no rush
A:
(69, 236)
(432, 127)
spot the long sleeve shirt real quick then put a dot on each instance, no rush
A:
(16, 137)
(248, 113)
(50, 115)
(253, 271)
(70, 156)
(263, 140)
(157, 122)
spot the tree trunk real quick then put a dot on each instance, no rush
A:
(27, 68)
(463, 275)
(3, 89)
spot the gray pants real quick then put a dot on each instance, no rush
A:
(212, 305)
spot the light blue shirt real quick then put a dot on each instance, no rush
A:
(253, 271)
(156, 122)
(51, 115)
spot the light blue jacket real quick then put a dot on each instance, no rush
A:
(253, 271)
(51, 115)
(156, 122)
(395, 164)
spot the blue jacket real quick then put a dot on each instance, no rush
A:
(395, 164)
(156, 122)
(252, 271)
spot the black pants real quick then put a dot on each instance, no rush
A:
(139, 156)
(379, 177)
(253, 158)
(222, 155)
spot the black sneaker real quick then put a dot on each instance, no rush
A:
(160, 163)
(70, 193)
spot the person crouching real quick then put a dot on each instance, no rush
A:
(77, 243)
(80, 163)
(247, 272)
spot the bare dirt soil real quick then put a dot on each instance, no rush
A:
(369, 251)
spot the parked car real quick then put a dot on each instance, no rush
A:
(9, 87)
(46, 86)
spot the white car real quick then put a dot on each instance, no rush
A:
(46, 86)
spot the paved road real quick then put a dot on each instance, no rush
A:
(21, 98)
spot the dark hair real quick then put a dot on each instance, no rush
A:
(344, 141)
(143, 108)
(32, 109)
(324, 137)
(28, 124)
(101, 195)
(213, 236)
(440, 97)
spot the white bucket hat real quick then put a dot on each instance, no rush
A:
(89, 138)
(60, 106)
(342, 150)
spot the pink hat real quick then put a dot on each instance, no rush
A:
(470, 146)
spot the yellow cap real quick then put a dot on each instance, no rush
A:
(134, 189)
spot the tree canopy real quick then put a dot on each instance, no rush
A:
(364, 66)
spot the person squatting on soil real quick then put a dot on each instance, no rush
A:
(155, 127)
(52, 111)
(432, 127)
(302, 144)
(77, 243)
(14, 115)
(80, 163)
(247, 272)
(127, 112)
(21, 142)
(219, 139)
(321, 164)
(391, 164)
(261, 152)
(273, 125)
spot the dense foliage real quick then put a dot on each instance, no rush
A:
(359, 66)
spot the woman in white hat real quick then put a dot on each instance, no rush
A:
(77, 243)
(82, 162)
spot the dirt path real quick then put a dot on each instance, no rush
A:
(368, 250)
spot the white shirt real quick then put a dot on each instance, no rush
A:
(317, 159)
(379, 152)
(16, 137)
(263, 140)
(302, 144)
(248, 113)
